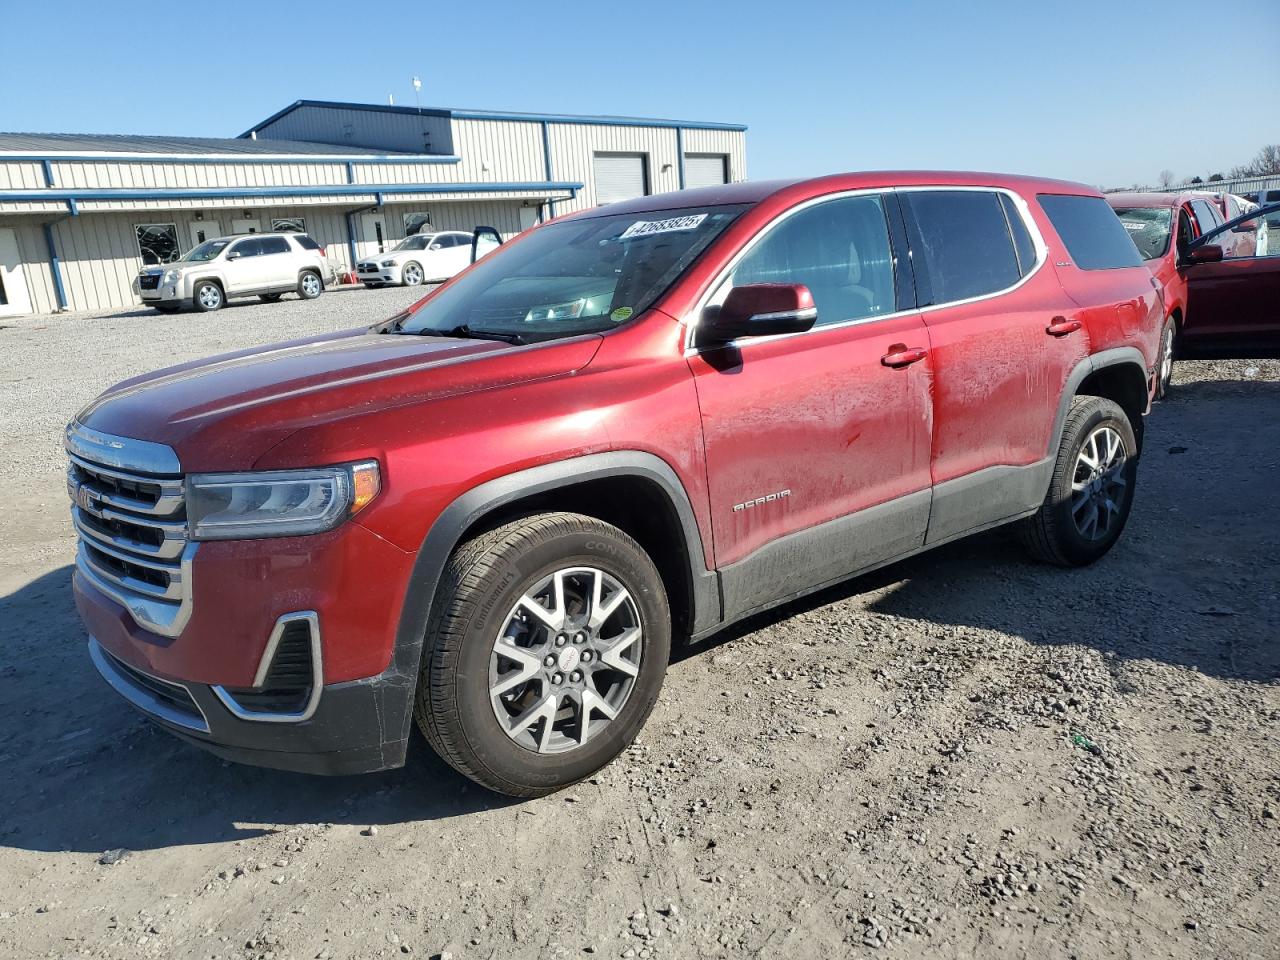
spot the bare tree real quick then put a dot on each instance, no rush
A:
(1266, 163)
(1166, 179)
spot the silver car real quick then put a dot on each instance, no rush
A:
(265, 265)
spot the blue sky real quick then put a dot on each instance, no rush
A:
(1089, 91)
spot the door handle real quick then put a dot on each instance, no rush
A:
(1061, 326)
(900, 355)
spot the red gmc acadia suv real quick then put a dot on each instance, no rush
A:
(493, 513)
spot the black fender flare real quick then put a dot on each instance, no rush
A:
(1114, 357)
(459, 516)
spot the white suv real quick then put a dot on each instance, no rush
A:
(418, 259)
(265, 265)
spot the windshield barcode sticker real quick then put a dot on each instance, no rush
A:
(644, 228)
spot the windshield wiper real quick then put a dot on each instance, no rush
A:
(462, 330)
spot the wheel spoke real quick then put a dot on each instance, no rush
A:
(544, 709)
(529, 663)
(611, 653)
(552, 619)
(602, 610)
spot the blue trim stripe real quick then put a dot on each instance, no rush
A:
(48, 174)
(55, 267)
(321, 190)
(680, 155)
(448, 112)
(546, 160)
(309, 158)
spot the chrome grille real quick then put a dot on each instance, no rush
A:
(131, 523)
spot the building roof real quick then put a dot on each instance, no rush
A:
(470, 114)
(94, 143)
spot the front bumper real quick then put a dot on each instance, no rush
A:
(168, 293)
(360, 726)
(193, 682)
(370, 271)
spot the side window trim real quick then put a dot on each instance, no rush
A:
(919, 289)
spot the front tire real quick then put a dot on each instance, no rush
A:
(411, 274)
(1091, 491)
(310, 285)
(1168, 352)
(207, 296)
(545, 653)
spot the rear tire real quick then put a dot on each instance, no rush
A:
(207, 296)
(514, 659)
(1091, 491)
(310, 285)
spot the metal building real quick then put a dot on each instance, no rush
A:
(79, 215)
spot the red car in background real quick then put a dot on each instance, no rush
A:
(1220, 285)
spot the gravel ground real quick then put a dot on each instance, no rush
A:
(962, 755)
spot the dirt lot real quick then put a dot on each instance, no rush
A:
(885, 769)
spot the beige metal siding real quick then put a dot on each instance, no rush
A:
(574, 145)
(732, 143)
(21, 175)
(107, 174)
(511, 150)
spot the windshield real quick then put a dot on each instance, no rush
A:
(578, 276)
(206, 251)
(418, 241)
(1148, 227)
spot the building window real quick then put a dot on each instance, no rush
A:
(620, 176)
(157, 243)
(289, 225)
(416, 223)
(705, 169)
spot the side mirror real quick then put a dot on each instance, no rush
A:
(758, 310)
(234, 255)
(1249, 226)
(484, 240)
(1208, 253)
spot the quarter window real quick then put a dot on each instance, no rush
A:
(838, 249)
(157, 243)
(1094, 236)
(964, 240)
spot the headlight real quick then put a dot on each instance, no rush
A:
(556, 311)
(388, 263)
(277, 503)
(170, 276)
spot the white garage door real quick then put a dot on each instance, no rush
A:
(705, 169)
(619, 176)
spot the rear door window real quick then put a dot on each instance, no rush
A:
(963, 239)
(1094, 236)
(274, 245)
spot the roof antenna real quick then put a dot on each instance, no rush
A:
(417, 89)
(391, 99)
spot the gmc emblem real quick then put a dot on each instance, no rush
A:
(87, 502)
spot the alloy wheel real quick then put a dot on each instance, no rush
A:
(210, 297)
(1166, 358)
(412, 275)
(311, 285)
(1098, 485)
(566, 660)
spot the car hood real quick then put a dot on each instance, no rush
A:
(224, 413)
